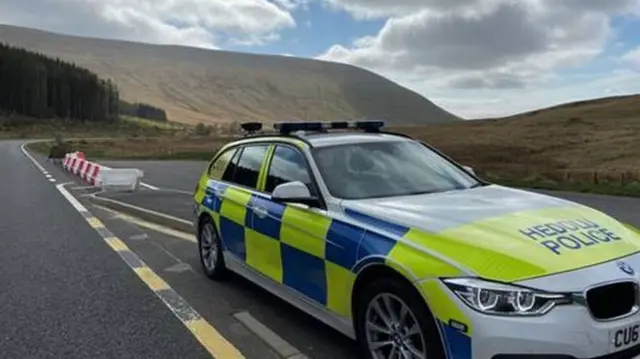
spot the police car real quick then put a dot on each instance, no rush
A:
(395, 245)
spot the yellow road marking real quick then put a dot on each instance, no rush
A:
(151, 278)
(159, 228)
(151, 226)
(205, 333)
(116, 244)
(212, 340)
(95, 223)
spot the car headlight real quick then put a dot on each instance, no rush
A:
(503, 299)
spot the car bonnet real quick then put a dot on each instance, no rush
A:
(501, 233)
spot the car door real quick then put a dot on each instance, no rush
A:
(239, 185)
(301, 230)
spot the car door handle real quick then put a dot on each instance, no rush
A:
(260, 212)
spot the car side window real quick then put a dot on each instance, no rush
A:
(230, 171)
(248, 168)
(287, 165)
(220, 167)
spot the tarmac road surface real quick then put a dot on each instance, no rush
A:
(64, 293)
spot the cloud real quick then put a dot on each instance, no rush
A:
(632, 58)
(479, 45)
(185, 22)
(292, 4)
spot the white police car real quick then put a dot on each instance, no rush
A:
(395, 245)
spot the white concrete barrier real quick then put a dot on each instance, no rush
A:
(101, 176)
(120, 178)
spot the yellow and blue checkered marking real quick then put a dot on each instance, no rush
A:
(315, 255)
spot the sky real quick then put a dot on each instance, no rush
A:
(475, 58)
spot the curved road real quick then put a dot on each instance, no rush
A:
(64, 292)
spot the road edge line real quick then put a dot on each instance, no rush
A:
(212, 341)
(162, 219)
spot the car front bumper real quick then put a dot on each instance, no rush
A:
(566, 332)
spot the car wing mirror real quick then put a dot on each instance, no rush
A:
(294, 192)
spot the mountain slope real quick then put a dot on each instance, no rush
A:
(196, 85)
(580, 137)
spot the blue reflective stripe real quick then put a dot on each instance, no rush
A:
(271, 224)
(394, 228)
(233, 237)
(374, 244)
(342, 243)
(305, 273)
(457, 344)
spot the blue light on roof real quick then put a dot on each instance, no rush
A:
(288, 127)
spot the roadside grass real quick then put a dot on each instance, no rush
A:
(630, 189)
(16, 127)
(590, 147)
(143, 122)
(144, 148)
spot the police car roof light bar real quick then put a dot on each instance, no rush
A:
(370, 126)
(289, 127)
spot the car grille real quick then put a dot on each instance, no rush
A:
(613, 300)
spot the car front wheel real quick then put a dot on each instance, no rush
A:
(210, 248)
(394, 322)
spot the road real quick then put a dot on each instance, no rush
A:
(181, 175)
(245, 317)
(65, 294)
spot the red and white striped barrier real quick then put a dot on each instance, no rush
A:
(100, 176)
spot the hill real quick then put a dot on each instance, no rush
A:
(196, 85)
(587, 141)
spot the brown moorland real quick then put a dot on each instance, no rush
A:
(595, 141)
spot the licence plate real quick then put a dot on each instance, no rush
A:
(624, 337)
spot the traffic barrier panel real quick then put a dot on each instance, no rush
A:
(121, 178)
(101, 176)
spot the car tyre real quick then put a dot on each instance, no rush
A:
(418, 332)
(210, 249)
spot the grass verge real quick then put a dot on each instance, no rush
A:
(203, 148)
(628, 190)
(143, 148)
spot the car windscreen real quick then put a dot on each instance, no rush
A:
(387, 168)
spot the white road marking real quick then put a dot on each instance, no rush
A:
(152, 226)
(281, 346)
(149, 186)
(31, 157)
(52, 180)
(74, 202)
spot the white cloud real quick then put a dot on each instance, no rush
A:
(492, 47)
(632, 58)
(292, 4)
(185, 22)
